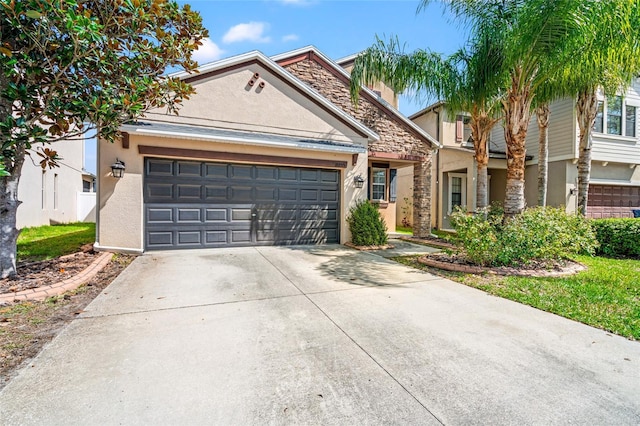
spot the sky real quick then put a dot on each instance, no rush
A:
(338, 28)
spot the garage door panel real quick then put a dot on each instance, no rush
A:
(200, 204)
(161, 168)
(189, 215)
(216, 215)
(188, 169)
(160, 191)
(241, 172)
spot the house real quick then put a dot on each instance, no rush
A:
(59, 195)
(614, 188)
(268, 151)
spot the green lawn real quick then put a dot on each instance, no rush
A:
(404, 230)
(606, 295)
(47, 242)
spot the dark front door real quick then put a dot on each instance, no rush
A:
(191, 204)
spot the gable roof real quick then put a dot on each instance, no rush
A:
(312, 52)
(234, 62)
(426, 110)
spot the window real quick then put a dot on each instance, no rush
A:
(614, 115)
(598, 125)
(378, 184)
(43, 183)
(463, 129)
(457, 190)
(630, 121)
(55, 191)
(86, 186)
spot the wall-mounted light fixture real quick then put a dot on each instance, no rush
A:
(573, 191)
(117, 169)
(358, 181)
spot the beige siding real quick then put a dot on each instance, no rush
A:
(562, 132)
(386, 92)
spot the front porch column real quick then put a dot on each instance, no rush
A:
(422, 198)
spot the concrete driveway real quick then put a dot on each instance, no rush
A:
(318, 335)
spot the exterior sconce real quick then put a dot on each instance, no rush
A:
(358, 181)
(117, 169)
(573, 191)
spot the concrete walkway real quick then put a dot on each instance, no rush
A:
(318, 335)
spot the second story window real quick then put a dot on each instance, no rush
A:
(630, 121)
(615, 116)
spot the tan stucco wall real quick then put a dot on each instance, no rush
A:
(227, 101)
(121, 200)
(31, 211)
(405, 191)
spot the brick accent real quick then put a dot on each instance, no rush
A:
(395, 136)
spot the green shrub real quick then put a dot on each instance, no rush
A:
(538, 234)
(366, 226)
(618, 237)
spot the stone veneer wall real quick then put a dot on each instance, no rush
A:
(394, 136)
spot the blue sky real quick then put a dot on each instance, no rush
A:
(337, 27)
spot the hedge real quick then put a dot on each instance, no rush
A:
(618, 237)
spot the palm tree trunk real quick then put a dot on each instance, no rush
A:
(542, 114)
(8, 213)
(480, 129)
(517, 109)
(586, 109)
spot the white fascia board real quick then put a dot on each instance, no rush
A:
(277, 69)
(427, 109)
(356, 149)
(365, 89)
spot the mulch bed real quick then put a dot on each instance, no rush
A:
(47, 272)
(458, 263)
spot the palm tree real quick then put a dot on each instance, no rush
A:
(535, 35)
(465, 81)
(609, 59)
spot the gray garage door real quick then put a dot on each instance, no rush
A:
(192, 204)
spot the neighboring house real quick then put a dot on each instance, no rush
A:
(268, 151)
(614, 188)
(55, 195)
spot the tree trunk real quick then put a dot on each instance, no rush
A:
(481, 126)
(542, 114)
(517, 109)
(586, 109)
(8, 212)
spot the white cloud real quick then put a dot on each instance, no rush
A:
(290, 37)
(252, 31)
(208, 52)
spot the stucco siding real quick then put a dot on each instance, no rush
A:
(227, 101)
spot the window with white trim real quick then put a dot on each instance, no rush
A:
(378, 184)
(614, 116)
(457, 191)
(43, 190)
